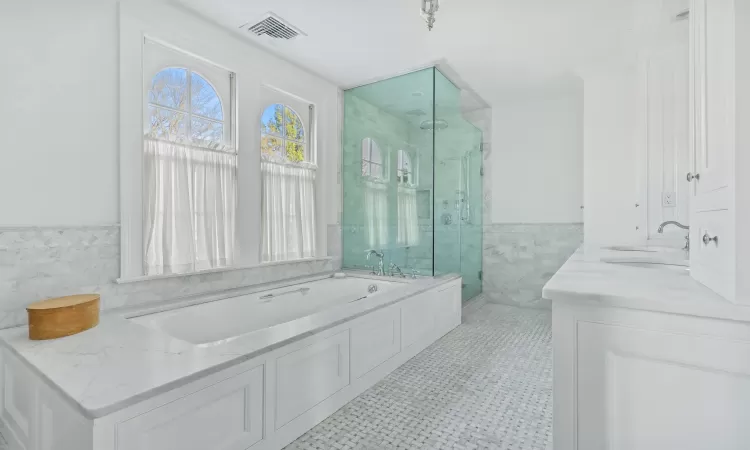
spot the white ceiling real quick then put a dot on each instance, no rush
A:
(493, 46)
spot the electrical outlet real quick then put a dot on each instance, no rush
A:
(669, 199)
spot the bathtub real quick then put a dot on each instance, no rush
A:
(255, 370)
(214, 323)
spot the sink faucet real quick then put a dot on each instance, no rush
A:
(379, 254)
(671, 222)
(679, 225)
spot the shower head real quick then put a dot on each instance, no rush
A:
(438, 125)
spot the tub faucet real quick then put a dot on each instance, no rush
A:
(679, 225)
(381, 268)
(396, 270)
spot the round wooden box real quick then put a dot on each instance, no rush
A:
(63, 316)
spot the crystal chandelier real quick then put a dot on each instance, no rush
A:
(429, 8)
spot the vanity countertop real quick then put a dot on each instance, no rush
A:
(587, 278)
(120, 363)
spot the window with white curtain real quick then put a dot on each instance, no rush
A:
(189, 164)
(288, 184)
(408, 221)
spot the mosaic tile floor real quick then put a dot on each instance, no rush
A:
(485, 385)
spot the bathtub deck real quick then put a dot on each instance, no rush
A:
(485, 385)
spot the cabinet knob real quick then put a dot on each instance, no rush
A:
(707, 239)
(691, 177)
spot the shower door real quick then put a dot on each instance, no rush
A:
(458, 191)
(471, 223)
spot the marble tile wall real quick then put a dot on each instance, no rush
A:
(519, 259)
(38, 263)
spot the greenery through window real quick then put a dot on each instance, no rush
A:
(282, 134)
(184, 107)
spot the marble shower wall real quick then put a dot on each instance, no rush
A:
(38, 263)
(520, 258)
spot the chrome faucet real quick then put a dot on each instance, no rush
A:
(679, 225)
(379, 254)
(671, 222)
(394, 270)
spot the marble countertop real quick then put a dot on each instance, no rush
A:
(587, 278)
(120, 363)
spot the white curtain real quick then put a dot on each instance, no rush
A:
(190, 197)
(288, 210)
(408, 222)
(376, 215)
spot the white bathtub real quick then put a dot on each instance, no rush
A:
(216, 322)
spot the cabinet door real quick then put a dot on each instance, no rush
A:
(225, 416)
(713, 81)
(650, 390)
(375, 339)
(307, 376)
(417, 318)
(713, 115)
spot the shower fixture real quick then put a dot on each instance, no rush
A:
(430, 125)
(428, 10)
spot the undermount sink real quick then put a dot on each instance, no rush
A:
(677, 266)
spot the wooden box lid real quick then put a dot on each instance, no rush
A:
(63, 316)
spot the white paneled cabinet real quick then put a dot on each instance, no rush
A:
(309, 375)
(261, 404)
(637, 380)
(225, 416)
(720, 202)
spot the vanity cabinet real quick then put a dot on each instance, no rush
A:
(720, 75)
(639, 380)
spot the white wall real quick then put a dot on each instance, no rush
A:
(58, 159)
(59, 163)
(537, 157)
(611, 133)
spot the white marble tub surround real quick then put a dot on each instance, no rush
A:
(120, 363)
(586, 277)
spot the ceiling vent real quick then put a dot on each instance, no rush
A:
(274, 27)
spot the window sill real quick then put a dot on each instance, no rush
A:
(127, 280)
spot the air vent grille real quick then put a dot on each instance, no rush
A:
(275, 27)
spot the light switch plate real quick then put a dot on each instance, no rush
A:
(669, 199)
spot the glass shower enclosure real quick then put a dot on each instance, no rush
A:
(412, 186)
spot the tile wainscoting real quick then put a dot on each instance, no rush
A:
(39, 263)
(519, 259)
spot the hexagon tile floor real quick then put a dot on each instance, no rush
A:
(485, 385)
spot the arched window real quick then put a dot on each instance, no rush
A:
(184, 107)
(282, 134)
(373, 165)
(405, 170)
